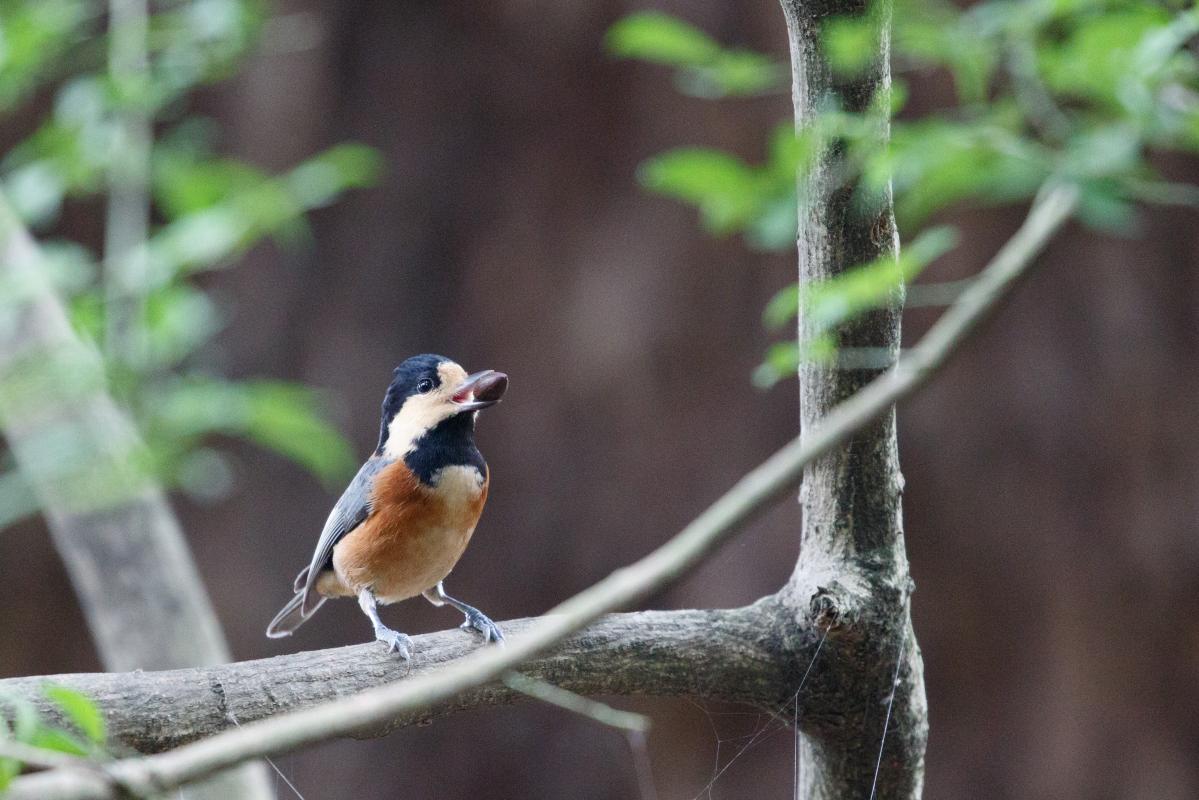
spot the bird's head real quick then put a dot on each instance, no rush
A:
(426, 391)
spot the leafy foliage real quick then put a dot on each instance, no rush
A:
(207, 210)
(81, 711)
(838, 300)
(704, 68)
(732, 195)
(1046, 90)
(87, 740)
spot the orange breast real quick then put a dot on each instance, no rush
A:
(415, 534)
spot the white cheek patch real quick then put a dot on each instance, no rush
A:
(451, 376)
(420, 413)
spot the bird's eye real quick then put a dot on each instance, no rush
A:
(424, 386)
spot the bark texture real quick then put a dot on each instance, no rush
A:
(852, 575)
(726, 654)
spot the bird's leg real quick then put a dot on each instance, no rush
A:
(475, 619)
(396, 641)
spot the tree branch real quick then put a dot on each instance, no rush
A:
(455, 684)
(725, 653)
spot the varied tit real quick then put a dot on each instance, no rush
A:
(405, 519)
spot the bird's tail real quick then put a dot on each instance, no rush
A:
(291, 617)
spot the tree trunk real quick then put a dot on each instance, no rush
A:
(852, 573)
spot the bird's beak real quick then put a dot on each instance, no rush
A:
(480, 390)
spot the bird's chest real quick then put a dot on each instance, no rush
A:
(415, 534)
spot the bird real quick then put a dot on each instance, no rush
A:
(409, 512)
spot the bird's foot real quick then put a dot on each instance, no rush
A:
(396, 642)
(476, 620)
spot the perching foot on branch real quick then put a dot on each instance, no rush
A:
(396, 642)
(476, 620)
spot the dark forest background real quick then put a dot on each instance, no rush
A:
(1052, 471)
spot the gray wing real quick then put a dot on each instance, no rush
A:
(353, 507)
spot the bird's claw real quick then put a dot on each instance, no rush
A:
(480, 622)
(396, 642)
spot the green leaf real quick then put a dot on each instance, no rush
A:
(80, 710)
(17, 499)
(898, 98)
(790, 152)
(772, 225)
(705, 69)
(832, 302)
(224, 207)
(1149, 189)
(282, 417)
(783, 307)
(851, 43)
(286, 418)
(36, 191)
(725, 189)
(23, 715)
(775, 224)
(782, 361)
(1098, 52)
(1103, 150)
(177, 320)
(935, 163)
(934, 33)
(205, 474)
(319, 180)
(1158, 47)
(200, 240)
(662, 39)
(59, 741)
(734, 196)
(33, 39)
(1103, 207)
(732, 73)
(183, 186)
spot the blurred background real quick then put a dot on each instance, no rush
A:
(1052, 470)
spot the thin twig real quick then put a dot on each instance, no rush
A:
(778, 475)
(39, 757)
(639, 746)
(943, 293)
(270, 762)
(127, 221)
(1164, 193)
(576, 703)
(634, 725)
(1038, 104)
